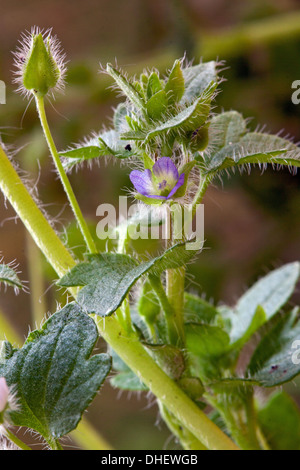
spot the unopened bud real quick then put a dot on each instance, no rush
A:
(40, 64)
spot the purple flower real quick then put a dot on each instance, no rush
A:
(161, 182)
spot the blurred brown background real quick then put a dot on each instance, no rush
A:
(251, 223)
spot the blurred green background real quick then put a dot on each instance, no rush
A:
(252, 222)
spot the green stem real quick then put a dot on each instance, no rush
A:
(88, 438)
(165, 389)
(34, 220)
(175, 279)
(55, 445)
(36, 280)
(170, 317)
(175, 293)
(204, 183)
(7, 331)
(11, 437)
(64, 179)
(128, 348)
(187, 439)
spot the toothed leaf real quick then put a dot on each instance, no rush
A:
(261, 302)
(190, 118)
(53, 375)
(273, 361)
(253, 148)
(108, 277)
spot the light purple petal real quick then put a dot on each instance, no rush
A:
(164, 169)
(153, 196)
(142, 181)
(180, 182)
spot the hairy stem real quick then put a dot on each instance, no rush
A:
(11, 437)
(64, 179)
(204, 183)
(187, 439)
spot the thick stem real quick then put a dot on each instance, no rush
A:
(34, 220)
(88, 438)
(64, 179)
(128, 348)
(187, 439)
(165, 389)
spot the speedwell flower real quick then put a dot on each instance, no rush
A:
(162, 182)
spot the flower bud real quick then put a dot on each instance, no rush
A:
(40, 64)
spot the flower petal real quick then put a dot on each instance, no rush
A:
(180, 182)
(164, 169)
(142, 181)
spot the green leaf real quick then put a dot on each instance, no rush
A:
(255, 147)
(157, 105)
(175, 84)
(108, 277)
(190, 118)
(279, 421)
(170, 359)
(197, 78)
(273, 362)
(128, 381)
(154, 85)
(107, 143)
(205, 340)
(78, 155)
(192, 386)
(9, 276)
(111, 143)
(53, 375)
(197, 310)
(270, 293)
(229, 127)
(128, 89)
(198, 140)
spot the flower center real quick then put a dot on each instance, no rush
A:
(164, 188)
